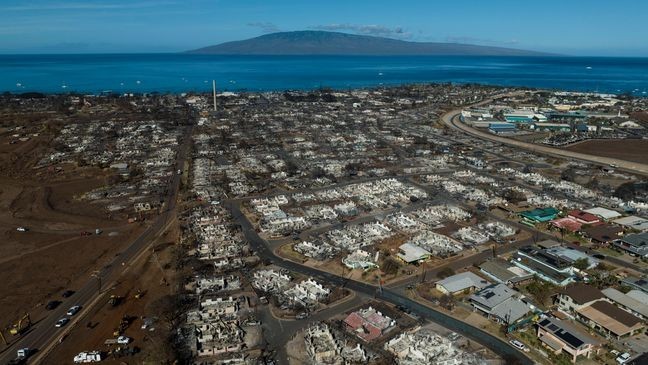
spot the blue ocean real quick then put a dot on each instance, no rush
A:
(94, 73)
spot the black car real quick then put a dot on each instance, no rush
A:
(68, 293)
(52, 304)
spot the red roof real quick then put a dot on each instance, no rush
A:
(583, 216)
(354, 320)
(567, 223)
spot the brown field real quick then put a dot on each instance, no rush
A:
(635, 150)
(52, 256)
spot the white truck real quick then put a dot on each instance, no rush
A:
(86, 357)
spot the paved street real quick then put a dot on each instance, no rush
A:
(261, 248)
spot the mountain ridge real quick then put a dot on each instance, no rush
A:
(336, 43)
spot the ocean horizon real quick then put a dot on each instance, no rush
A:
(182, 72)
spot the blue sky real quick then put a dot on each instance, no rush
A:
(574, 27)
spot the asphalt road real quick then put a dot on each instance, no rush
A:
(42, 336)
(261, 249)
(450, 119)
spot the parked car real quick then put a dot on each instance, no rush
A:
(623, 358)
(22, 229)
(68, 293)
(62, 322)
(52, 304)
(123, 340)
(73, 310)
(517, 344)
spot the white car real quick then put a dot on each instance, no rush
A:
(61, 322)
(123, 340)
(85, 357)
(517, 344)
(73, 310)
(21, 229)
(623, 358)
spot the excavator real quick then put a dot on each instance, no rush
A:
(21, 326)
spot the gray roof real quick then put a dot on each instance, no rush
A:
(500, 271)
(626, 301)
(462, 281)
(511, 310)
(637, 223)
(411, 252)
(637, 240)
(492, 295)
(567, 332)
(638, 283)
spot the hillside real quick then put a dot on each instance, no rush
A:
(334, 43)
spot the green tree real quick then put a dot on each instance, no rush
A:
(581, 264)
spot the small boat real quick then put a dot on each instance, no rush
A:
(380, 73)
(589, 67)
(18, 84)
(138, 82)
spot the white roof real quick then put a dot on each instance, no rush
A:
(411, 252)
(633, 222)
(462, 281)
(603, 212)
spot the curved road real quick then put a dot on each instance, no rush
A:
(261, 249)
(450, 119)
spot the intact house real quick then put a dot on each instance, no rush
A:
(563, 337)
(539, 215)
(603, 233)
(577, 296)
(634, 302)
(465, 281)
(500, 304)
(634, 244)
(504, 272)
(636, 283)
(610, 320)
(411, 253)
(545, 265)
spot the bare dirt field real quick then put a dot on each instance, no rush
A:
(145, 275)
(635, 150)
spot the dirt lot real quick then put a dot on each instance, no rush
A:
(154, 278)
(634, 150)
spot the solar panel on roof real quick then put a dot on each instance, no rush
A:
(553, 327)
(569, 338)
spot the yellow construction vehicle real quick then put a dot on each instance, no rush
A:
(21, 326)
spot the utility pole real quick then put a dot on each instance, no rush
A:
(214, 92)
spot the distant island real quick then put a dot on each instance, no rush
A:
(335, 43)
